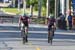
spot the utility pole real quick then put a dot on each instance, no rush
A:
(39, 8)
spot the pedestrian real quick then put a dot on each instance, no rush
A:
(62, 22)
(70, 21)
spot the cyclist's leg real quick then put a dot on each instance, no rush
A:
(53, 32)
(26, 33)
(24, 36)
(52, 35)
(48, 36)
(53, 29)
(22, 29)
(23, 40)
(51, 38)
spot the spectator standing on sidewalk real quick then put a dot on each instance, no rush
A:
(70, 21)
(62, 22)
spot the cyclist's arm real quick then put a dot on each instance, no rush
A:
(55, 24)
(19, 21)
(29, 20)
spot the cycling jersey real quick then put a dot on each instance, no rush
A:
(51, 23)
(24, 20)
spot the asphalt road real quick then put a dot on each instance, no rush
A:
(10, 38)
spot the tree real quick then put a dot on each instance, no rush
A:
(32, 3)
(39, 8)
(52, 3)
(13, 3)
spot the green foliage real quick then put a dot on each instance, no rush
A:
(43, 11)
(44, 3)
(33, 2)
(52, 6)
(36, 7)
(28, 2)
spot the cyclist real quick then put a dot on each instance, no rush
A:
(23, 22)
(51, 25)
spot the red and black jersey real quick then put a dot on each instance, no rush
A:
(24, 20)
(51, 23)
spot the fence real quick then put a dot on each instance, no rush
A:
(41, 20)
(8, 19)
(15, 19)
